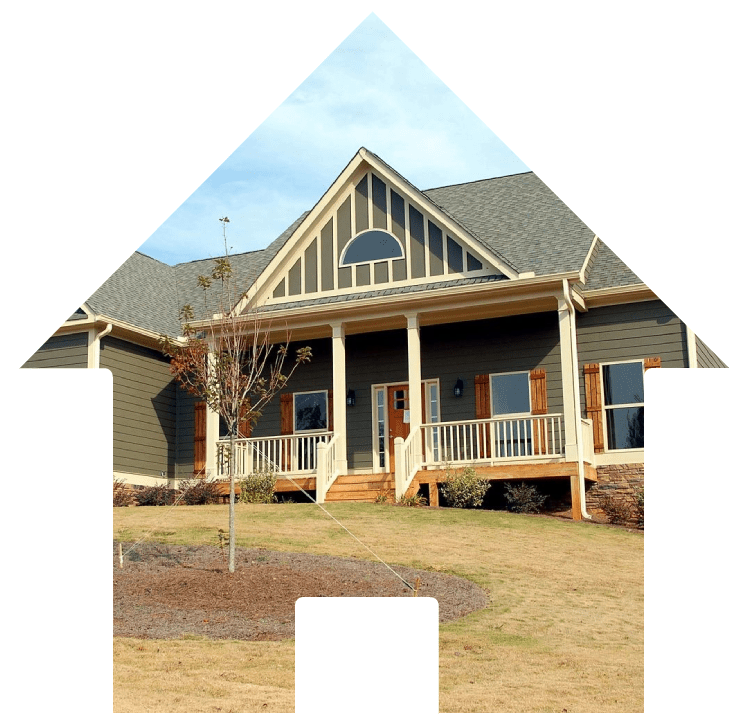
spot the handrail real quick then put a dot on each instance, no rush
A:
(493, 440)
(327, 466)
(287, 454)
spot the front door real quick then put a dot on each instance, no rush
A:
(398, 416)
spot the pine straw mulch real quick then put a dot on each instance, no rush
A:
(166, 591)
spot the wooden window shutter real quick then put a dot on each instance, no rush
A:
(652, 363)
(286, 414)
(329, 411)
(200, 438)
(538, 392)
(593, 399)
(483, 410)
(245, 427)
(482, 397)
(539, 404)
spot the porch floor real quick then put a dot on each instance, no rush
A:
(367, 487)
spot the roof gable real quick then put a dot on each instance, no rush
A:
(372, 231)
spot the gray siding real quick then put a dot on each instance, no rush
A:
(144, 408)
(705, 357)
(62, 351)
(461, 350)
(632, 331)
(184, 462)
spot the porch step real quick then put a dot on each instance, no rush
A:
(362, 487)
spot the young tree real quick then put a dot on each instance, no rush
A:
(229, 361)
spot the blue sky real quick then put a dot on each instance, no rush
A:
(372, 91)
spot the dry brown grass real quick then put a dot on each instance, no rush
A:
(564, 629)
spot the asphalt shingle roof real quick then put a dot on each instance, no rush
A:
(517, 217)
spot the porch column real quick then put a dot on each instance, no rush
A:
(567, 323)
(339, 392)
(414, 379)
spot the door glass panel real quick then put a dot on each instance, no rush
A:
(380, 427)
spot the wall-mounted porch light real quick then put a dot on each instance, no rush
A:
(458, 388)
(350, 398)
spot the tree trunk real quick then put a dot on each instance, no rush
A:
(232, 533)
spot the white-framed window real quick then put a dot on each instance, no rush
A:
(623, 404)
(310, 411)
(510, 394)
(511, 405)
(371, 245)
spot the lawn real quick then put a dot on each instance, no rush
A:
(564, 629)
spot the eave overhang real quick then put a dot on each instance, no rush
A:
(634, 293)
(433, 307)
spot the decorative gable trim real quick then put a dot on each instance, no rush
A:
(368, 195)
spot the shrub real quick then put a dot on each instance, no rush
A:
(154, 495)
(413, 501)
(257, 487)
(199, 491)
(464, 488)
(639, 507)
(121, 495)
(523, 498)
(618, 510)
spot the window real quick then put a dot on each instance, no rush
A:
(310, 411)
(623, 404)
(510, 394)
(372, 245)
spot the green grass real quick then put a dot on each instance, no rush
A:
(564, 627)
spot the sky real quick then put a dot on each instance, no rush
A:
(371, 91)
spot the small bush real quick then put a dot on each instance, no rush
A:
(618, 510)
(257, 488)
(382, 497)
(639, 507)
(154, 495)
(464, 488)
(412, 501)
(121, 495)
(199, 491)
(523, 498)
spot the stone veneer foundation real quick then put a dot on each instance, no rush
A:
(621, 480)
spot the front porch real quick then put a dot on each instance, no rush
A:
(528, 447)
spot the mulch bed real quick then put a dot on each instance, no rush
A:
(168, 591)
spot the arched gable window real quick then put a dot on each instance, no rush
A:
(372, 245)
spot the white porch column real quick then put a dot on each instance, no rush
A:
(339, 392)
(572, 398)
(414, 379)
(567, 378)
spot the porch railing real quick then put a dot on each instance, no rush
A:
(492, 440)
(291, 454)
(328, 455)
(407, 462)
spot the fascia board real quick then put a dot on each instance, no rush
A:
(422, 301)
(271, 270)
(633, 293)
(143, 337)
(585, 265)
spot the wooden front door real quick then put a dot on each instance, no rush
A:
(398, 410)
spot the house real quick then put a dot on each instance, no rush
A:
(526, 337)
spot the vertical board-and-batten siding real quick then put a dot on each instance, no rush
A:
(144, 408)
(62, 351)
